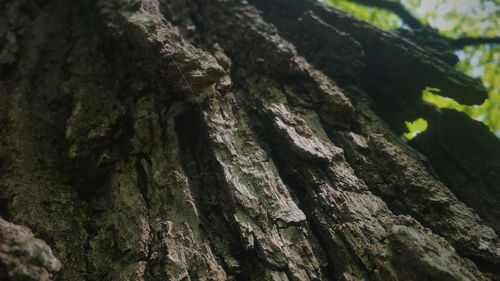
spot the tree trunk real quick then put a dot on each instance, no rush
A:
(235, 140)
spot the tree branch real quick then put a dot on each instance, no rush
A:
(395, 7)
(414, 23)
(473, 41)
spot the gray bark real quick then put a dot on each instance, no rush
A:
(235, 140)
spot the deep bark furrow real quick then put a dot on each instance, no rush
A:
(213, 199)
(269, 221)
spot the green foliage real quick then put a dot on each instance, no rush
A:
(415, 128)
(430, 95)
(454, 19)
(484, 61)
(376, 16)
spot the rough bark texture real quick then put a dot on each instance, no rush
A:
(235, 140)
(22, 256)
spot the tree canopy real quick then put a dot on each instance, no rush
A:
(473, 27)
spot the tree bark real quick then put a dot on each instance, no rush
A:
(235, 140)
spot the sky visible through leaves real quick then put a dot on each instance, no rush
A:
(454, 19)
